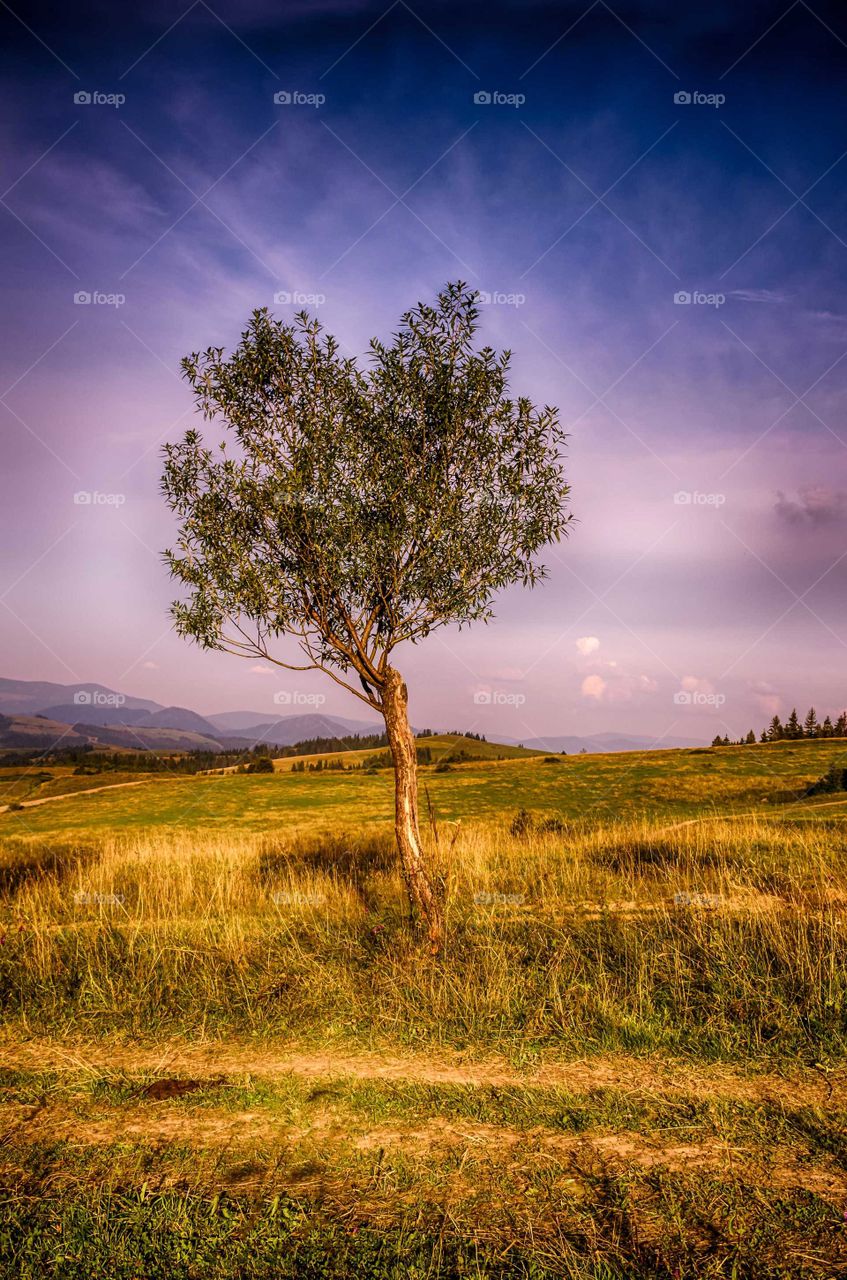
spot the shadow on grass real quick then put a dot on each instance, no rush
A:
(633, 854)
(26, 865)
(351, 859)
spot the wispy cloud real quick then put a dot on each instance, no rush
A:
(814, 505)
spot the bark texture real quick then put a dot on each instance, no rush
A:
(401, 741)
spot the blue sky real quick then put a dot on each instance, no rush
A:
(708, 443)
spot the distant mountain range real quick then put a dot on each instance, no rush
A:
(29, 697)
(94, 713)
(99, 715)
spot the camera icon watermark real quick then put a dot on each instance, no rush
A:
(297, 298)
(693, 498)
(486, 98)
(84, 98)
(298, 698)
(684, 98)
(94, 498)
(294, 98)
(86, 298)
(695, 298)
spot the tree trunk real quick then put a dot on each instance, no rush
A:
(422, 894)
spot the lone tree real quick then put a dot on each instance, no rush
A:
(360, 508)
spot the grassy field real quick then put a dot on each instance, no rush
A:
(646, 785)
(225, 1053)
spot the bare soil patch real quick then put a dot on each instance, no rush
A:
(263, 1141)
(210, 1059)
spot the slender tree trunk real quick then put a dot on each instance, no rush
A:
(422, 894)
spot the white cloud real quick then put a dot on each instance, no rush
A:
(815, 505)
(587, 645)
(261, 670)
(696, 684)
(594, 687)
(150, 666)
(619, 687)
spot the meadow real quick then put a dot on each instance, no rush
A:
(648, 785)
(226, 1052)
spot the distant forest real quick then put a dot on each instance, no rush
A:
(792, 730)
(88, 759)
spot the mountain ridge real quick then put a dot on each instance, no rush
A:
(89, 706)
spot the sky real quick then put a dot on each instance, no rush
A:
(652, 204)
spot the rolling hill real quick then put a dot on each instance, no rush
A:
(40, 733)
(37, 733)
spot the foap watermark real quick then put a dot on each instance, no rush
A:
(294, 898)
(694, 498)
(697, 899)
(694, 298)
(498, 698)
(298, 298)
(94, 98)
(296, 98)
(694, 98)
(500, 299)
(698, 698)
(95, 298)
(494, 98)
(499, 899)
(297, 698)
(94, 498)
(98, 698)
(83, 899)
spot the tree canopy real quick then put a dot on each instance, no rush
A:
(358, 508)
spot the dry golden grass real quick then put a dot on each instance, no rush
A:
(636, 1027)
(719, 937)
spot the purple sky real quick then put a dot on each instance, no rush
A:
(588, 207)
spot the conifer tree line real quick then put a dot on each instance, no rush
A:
(792, 730)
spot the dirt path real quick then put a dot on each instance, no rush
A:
(619, 1072)
(273, 1144)
(72, 795)
(272, 1141)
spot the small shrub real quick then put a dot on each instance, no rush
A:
(263, 765)
(835, 779)
(523, 823)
